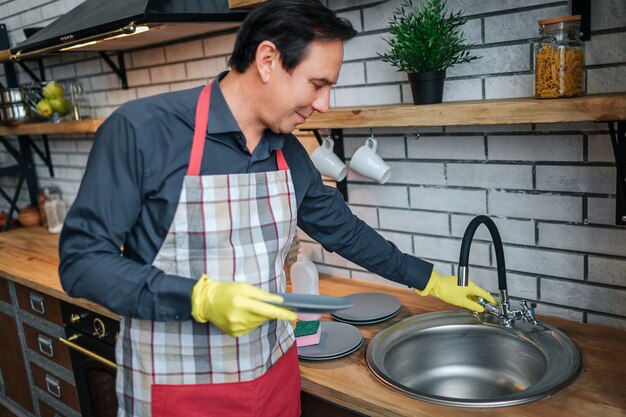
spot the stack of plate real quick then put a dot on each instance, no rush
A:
(369, 308)
(337, 340)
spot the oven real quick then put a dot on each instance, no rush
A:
(91, 338)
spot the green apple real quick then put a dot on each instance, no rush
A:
(58, 105)
(68, 106)
(44, 108)
(52, 90)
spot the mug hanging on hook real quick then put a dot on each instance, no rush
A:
(327, 162)
(368, 163)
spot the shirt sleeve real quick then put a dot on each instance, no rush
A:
(97, 225)
(325, 217)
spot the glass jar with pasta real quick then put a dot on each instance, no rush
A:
(559, 58)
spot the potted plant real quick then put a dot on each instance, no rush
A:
(424, 42)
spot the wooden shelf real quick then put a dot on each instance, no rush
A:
(591, 108)
(5, 55)
(242, 4)
(87, 126)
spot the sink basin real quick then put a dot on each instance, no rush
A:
(465, 359)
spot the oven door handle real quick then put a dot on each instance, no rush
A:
(84, 351)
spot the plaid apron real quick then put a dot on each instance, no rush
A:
(235, 227)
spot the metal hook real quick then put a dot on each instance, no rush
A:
(417, 134)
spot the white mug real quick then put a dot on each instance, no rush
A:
(368, 163)
(327, 162)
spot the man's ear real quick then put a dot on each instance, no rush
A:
(267, 60)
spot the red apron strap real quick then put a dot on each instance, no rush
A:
(280, 160)
(199, 133)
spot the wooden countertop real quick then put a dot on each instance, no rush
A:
(30, 257)
(600, 390)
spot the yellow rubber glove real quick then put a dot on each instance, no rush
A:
(446, 289)
(235, 308)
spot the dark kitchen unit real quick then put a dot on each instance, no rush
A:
(91, 338)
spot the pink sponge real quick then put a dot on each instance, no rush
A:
(308, 333)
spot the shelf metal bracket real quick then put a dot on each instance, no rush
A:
(36, 78)
(25, 167)
(119, 68)
(45, 155)
(12, 201)
(618, 140)
(337, 137)
(583, 8)
(25, 170)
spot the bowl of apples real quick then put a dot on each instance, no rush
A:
(52, 101)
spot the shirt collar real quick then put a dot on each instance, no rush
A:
(222, 121)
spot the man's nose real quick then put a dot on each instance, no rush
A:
(322, 102)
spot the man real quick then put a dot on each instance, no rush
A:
(204, 188)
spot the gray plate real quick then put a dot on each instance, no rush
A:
(369, 307)
(364, 322)
(336, 340)
(328, 358)
(309, 303)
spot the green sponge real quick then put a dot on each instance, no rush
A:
(306, 328)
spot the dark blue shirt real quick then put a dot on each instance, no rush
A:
(130, 191)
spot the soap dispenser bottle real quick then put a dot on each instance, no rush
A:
(305, 280)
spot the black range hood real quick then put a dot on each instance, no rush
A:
(114, 25)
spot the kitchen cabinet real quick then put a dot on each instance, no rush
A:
(39, 304)
(47, 345)
(46, 411)
(48, 359)
(12, 364)
(36, 367)
(4, 291)
(55, 386)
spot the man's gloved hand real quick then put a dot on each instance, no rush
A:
(235, 308)
(446, 289)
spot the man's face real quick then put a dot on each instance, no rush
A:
(295, 96)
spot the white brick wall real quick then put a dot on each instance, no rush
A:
(549, 187)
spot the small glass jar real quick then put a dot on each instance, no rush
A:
(42, 196)
(55, 213)
(559, 58)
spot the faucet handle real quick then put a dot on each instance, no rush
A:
(528, 313)
(530, 310)
(490, 308)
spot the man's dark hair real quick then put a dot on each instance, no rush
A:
(291, 25)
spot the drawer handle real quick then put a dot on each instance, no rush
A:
(36, 303)
(45, 346)
(53, 386)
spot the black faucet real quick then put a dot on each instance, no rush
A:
(504, 314)
(463, 279)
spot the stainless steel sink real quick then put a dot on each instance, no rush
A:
(464, 359)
